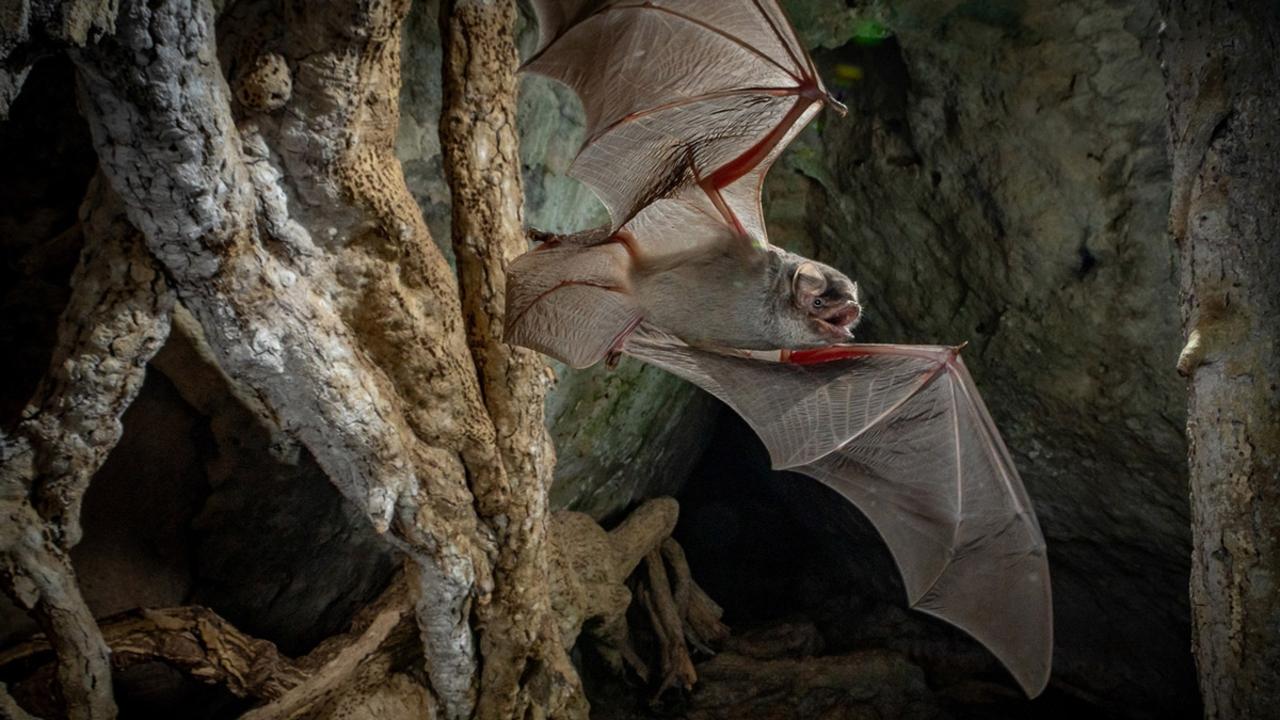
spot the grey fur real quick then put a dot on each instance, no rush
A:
(726, 300)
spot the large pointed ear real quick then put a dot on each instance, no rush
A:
(807, 283)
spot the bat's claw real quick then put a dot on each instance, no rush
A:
(840, 108)
(612, 359)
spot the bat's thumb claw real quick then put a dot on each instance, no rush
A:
(840, 108)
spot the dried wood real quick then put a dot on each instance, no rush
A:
(115, 321)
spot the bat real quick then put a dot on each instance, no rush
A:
(688, 103)
(901, 432)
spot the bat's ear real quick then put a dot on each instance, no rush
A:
(807, 283)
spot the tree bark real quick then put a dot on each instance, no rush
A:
(116, 320)
(278, 209)
(482, 164)
(1222, 68)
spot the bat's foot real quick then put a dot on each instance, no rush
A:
(614, 355)
(539, 236)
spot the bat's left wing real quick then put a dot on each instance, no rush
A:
(901, 432)
(687, 102)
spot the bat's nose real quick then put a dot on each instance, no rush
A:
(844, 314)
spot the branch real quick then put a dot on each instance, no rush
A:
(208, 649)
(195, 640)
(115, 321)
(674, 661)
(331, 665)
(526, 665)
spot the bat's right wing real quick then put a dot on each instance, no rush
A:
(570, 298)
(688, 103)
(901, 432)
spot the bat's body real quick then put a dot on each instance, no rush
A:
(721, 301)
(688, 103)
(721, 298)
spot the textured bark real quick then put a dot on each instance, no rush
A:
(282, 216)
(208, 649)
(294, 242)
(527, 672)
(335, 666)
(675, 667)
(29, 28)
(1222, 67)
(116, 320)
(194, 640)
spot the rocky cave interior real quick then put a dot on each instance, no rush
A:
(1000, 179)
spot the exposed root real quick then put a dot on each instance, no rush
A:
(115, 321)
(592, 594)
(208, 649)
(674, 664)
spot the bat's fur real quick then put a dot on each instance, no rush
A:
(762, 302)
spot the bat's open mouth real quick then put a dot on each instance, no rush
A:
(839, 321)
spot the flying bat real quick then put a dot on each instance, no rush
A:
(688, 103)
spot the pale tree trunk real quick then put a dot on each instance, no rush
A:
(1222, 65)
(274, 206)
(116, 320)
(482, 163)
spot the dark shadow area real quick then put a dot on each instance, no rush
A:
(47, 163)
(781, 553)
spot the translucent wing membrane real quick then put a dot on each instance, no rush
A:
(570, 300)
(686, 100)
(902, 433)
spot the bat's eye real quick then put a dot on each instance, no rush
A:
(817, 302)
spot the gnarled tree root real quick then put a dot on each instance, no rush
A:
(206, 648)
(589, 591)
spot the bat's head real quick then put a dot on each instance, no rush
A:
(827, 299)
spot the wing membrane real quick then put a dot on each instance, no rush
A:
(570, 300)
(901, 432)
(683, 98)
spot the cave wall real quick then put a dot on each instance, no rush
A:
(1000, 179)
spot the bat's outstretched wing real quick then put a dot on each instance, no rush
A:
(688, 103)
(901, 432)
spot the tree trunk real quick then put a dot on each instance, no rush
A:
(277, 211)
(482, 163)
(1222, 67)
